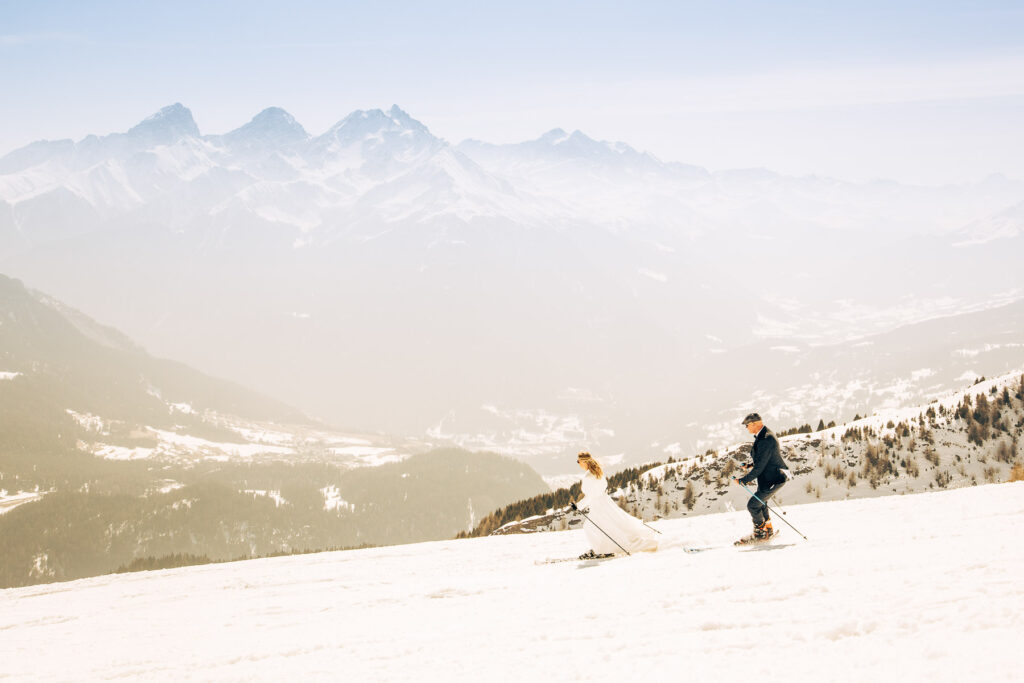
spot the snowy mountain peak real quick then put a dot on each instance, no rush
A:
(167, 126)
(271, 127)
(397, 115)
(576, 145)
(582, 143)
(1006, 224)
(376, 120)
(35, 153)
(376, 125)
(275, 117)
(553, 136)
(558, 144)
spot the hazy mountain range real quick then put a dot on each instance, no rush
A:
(541, 296)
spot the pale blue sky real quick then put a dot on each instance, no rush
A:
(922, 92)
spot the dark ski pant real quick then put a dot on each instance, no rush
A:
(758, 510)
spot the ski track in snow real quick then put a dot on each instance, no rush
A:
(922, 587)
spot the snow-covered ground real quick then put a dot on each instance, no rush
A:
(254, 441)
(921, 587)
(334, 501)
(273, 495)
(9, 501)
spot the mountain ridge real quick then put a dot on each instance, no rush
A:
(580, 273)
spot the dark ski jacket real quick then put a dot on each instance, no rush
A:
(768, 464)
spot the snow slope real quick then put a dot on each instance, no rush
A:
(922, 587)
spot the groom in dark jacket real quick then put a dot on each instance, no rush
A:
(770, 471)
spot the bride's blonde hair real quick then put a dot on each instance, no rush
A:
(593, 466)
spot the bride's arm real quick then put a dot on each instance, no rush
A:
(596, 489)
(581, 502)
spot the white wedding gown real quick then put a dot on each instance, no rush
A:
(628, 531)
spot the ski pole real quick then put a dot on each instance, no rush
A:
(766, 505)
(649, 527)
(602, 531)
(772, 505)
(778, 507)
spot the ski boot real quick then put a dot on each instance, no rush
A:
(761, 533)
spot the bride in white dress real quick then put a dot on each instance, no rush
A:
(627, 531)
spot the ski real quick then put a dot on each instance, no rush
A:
(557, 560)
(763, 547)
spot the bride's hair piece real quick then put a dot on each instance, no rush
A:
(593, 466)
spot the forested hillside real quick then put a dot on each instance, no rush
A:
(965, 439)
(228, 511)
(63, 371)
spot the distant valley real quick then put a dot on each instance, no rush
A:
(109, 455)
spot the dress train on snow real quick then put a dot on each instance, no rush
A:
(628, 531)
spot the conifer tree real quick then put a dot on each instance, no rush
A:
(688, 497)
